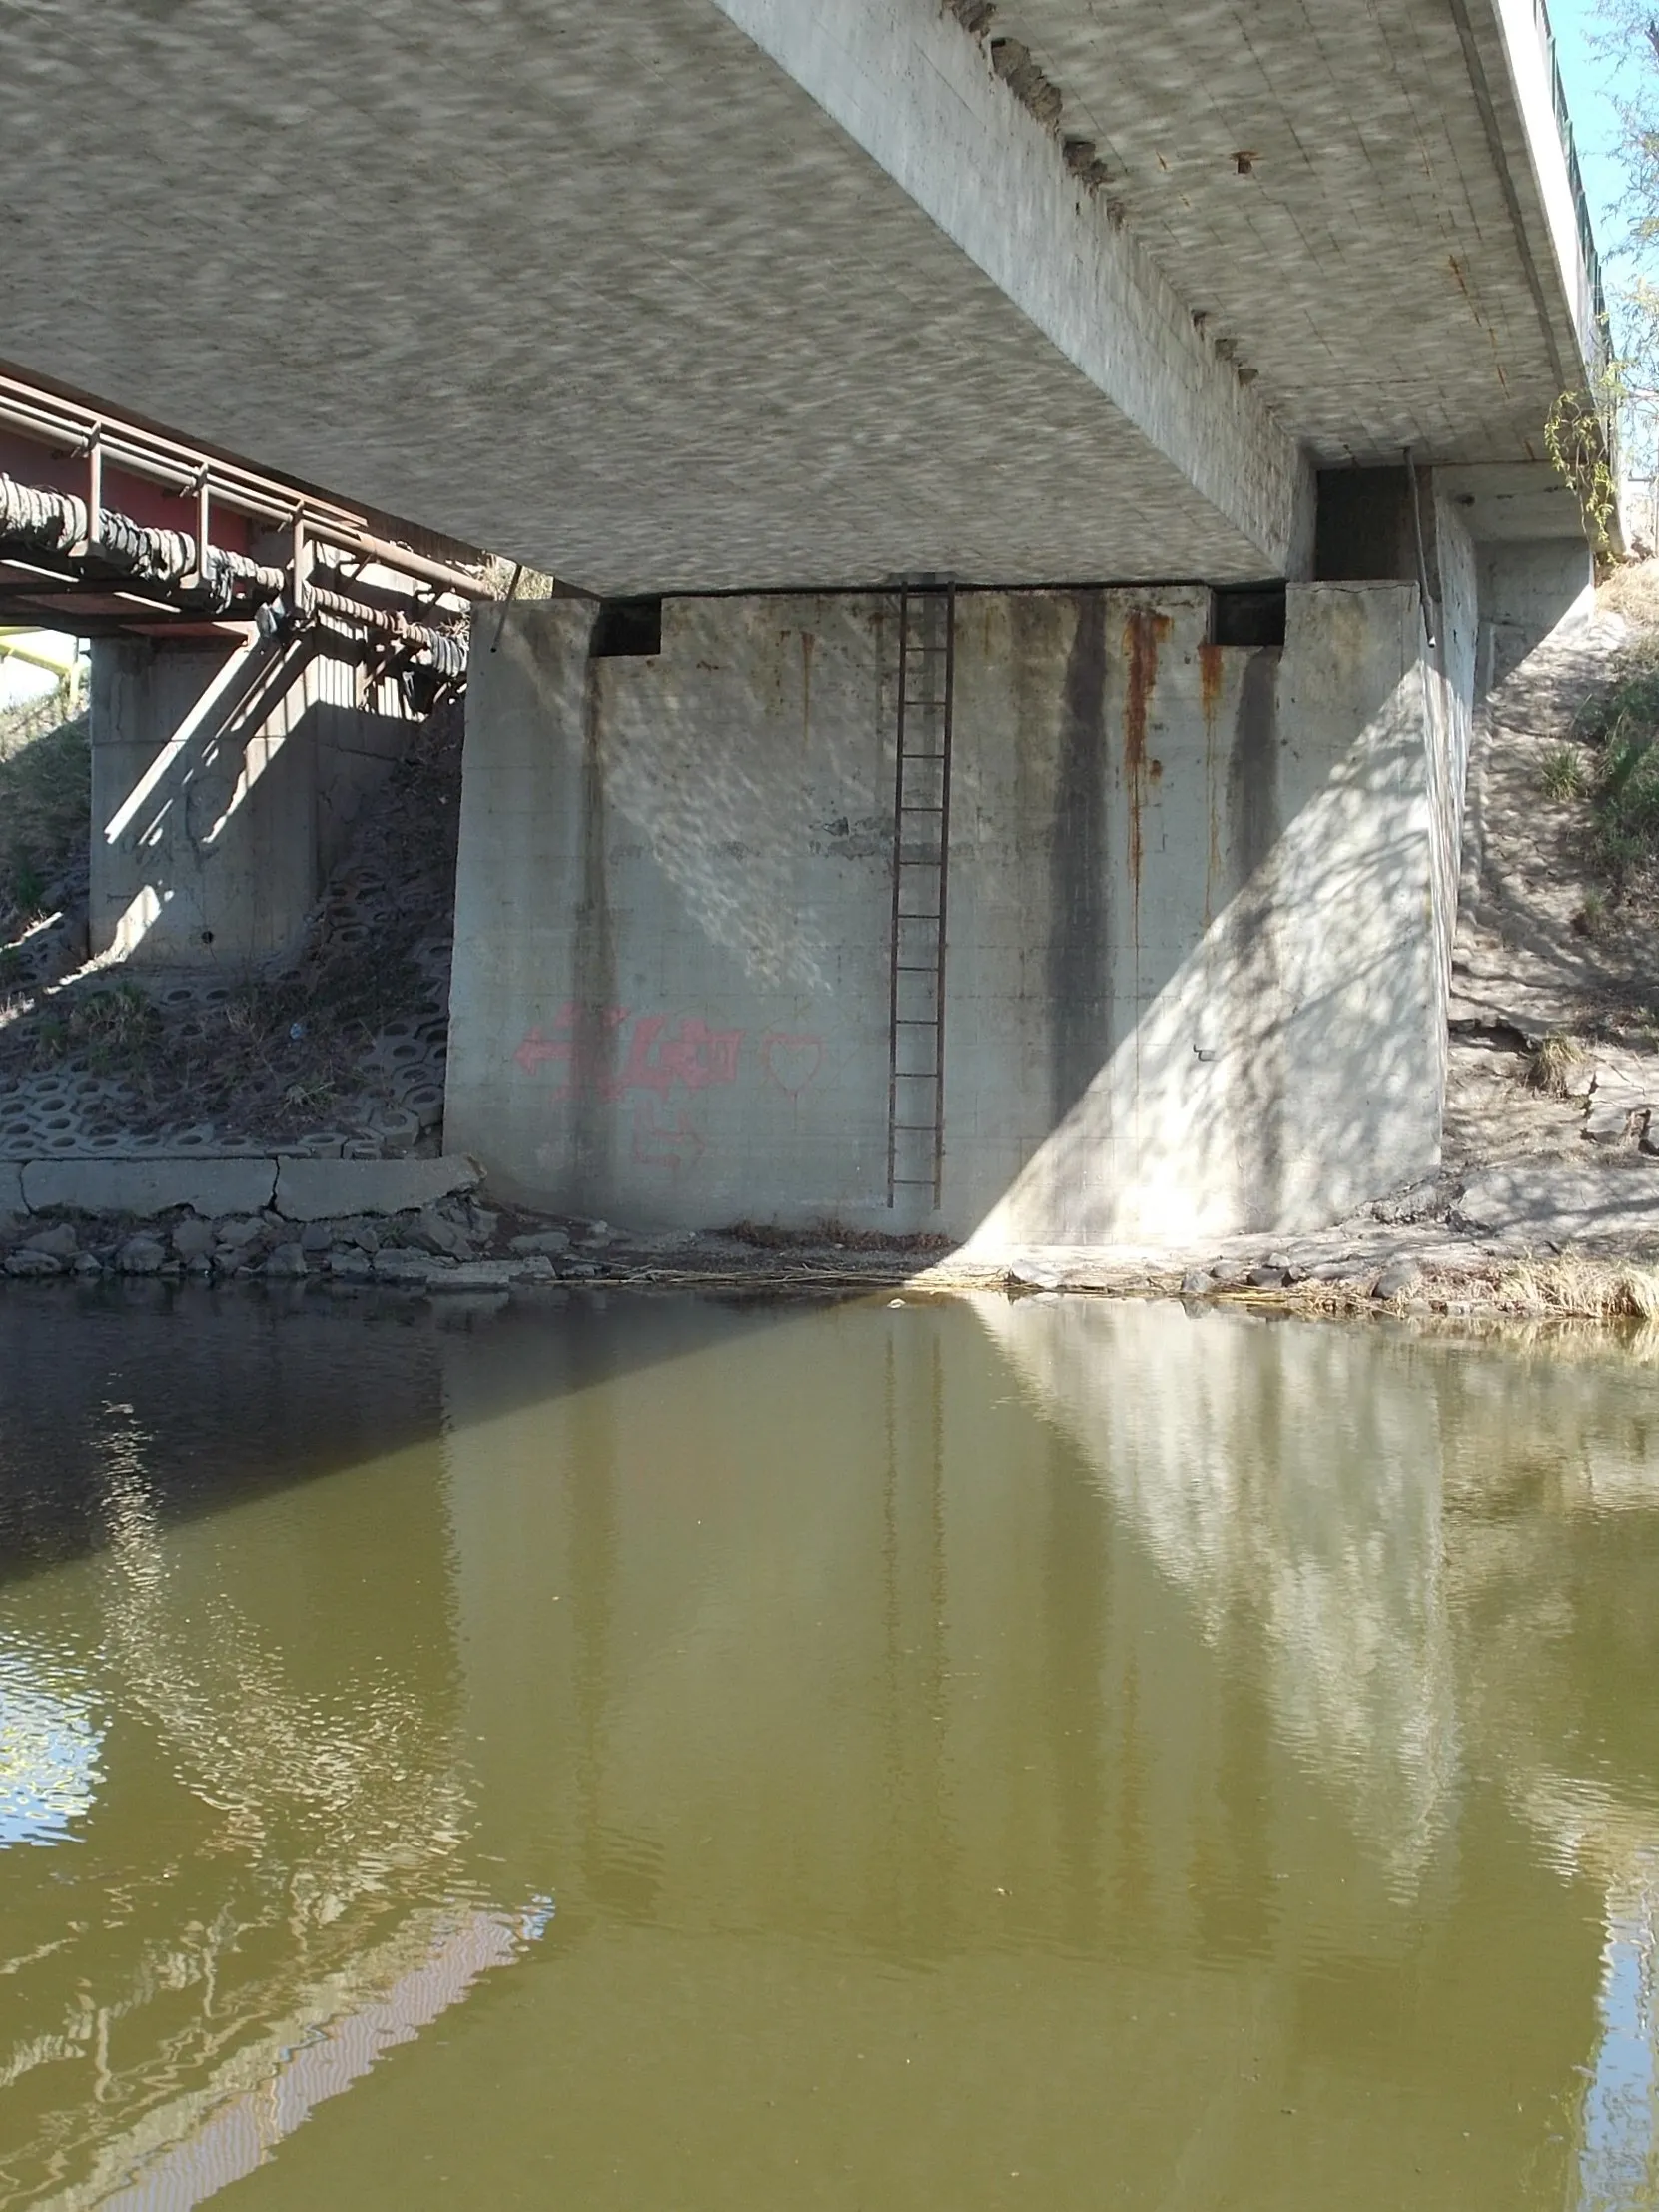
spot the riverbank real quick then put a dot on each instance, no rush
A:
(1514, 1247)
(159, 1125)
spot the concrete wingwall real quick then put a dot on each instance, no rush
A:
(1528, 589)
(1200, 903)
(224, 779)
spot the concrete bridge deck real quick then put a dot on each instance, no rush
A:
(693, 294)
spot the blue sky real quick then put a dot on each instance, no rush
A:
(1595, 127)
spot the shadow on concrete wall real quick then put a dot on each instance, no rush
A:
(224, 782)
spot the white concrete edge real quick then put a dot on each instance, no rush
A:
(211, 1185)
(1529, 83)
(917, 92)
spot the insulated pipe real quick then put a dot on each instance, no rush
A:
(440, 649)
(59, 524)
(56, 522)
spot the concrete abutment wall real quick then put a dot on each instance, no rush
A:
(1199, 904)
(224, 779)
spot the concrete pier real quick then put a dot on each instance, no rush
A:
(225, 778)
(1199, 908)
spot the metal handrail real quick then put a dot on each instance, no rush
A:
(65, 426)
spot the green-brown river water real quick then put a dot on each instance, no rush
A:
(652, 1756)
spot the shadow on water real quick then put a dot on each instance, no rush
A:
(245, 1393)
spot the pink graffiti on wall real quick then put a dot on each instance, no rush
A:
(791, 1059)
(663, 1141)
(654, 1057)
(562, 1048)
(617, 1055)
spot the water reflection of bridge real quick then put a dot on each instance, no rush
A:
(1398, 1566)
(1200, 1706)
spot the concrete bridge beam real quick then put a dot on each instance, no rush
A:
(659, 294)
(924, 100)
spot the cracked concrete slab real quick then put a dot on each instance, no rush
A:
(327, 1189)
(1558, 1204)
(147, 1186)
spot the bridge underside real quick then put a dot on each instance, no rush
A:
(702, 295)
(749, 311)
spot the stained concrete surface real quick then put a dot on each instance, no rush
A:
(1194, 983)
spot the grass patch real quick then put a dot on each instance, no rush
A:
(1562, 775)
(1551, 1065)
(1620, 725)
(45, 804)
(114, 1028)
(1581, 1289)
(1593, 914)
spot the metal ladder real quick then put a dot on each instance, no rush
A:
(921, 856)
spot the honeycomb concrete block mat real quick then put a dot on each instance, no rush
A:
(147, 1186)
(327, 1189)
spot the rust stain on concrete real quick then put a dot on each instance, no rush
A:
(1212, 675)
(1143, 632)
(1210, 680)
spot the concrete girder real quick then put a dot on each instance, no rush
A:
(606, 289)
(1371, 201)
(924, 100)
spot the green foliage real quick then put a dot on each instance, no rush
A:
(1577, 441)
(1593, 917)
(1621, 725)
(1625, 35)
(112, 1029)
